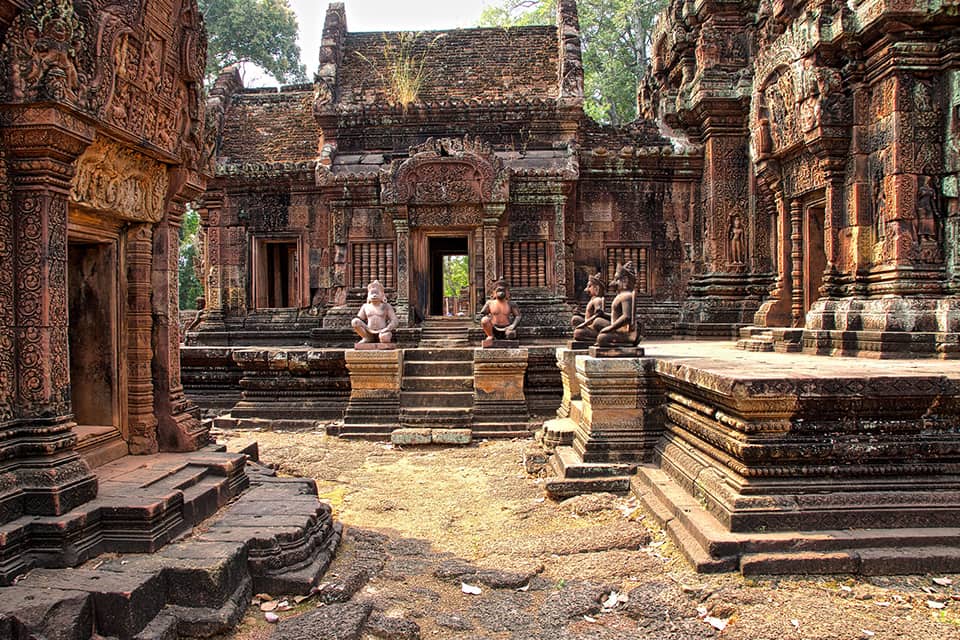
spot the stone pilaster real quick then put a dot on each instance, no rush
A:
(402, 228)
(42, 474)
(622, 415)
(141, 419)
(179, 427)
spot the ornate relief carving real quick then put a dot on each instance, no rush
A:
(120, 182)
(265, 211)
(7, 309)
(450, 216)
(40, 53)
(446, 171)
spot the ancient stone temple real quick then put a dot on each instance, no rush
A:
(322, 188)
(829, 198)
(102, 144)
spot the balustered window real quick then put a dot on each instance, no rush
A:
(373, 261)
(525, 264)
(621, 255)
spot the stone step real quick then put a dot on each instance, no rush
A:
(444, 343)
(436, 399)
(500, 431)
(568, 465)
(277, 537)
(436, 418)
(438, 368)
(433, 355)
(558, 488)
(437, 383)
(100, 445)
(759, 344)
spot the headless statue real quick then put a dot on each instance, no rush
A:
(622, 330)
(376, 319)
(496, 315)
(587, 327)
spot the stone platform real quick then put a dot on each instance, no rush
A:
(164, 579)
(783, 463)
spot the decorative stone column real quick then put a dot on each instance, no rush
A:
(374, 406)
(796, 262)
(622, 409)
(401, 226)
(141, 417)
(499, 403)
(212, 281)
(491, 266)
(42, 475)
(179, 427)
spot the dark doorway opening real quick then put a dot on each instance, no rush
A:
(449, 277)
(815, 258)
(277, 276)
(92, 312)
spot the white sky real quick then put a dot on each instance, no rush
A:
(376, 15)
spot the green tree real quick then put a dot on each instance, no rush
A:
(190, 287)
(616, 38)
(456, 275)
(263, 32)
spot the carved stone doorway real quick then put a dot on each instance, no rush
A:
(96, 372)
(815, 257)
(446, 252)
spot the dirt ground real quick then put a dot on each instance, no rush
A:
(425, 525)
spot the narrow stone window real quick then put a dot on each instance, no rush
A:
(525, 264)
(373, 261)
(621, 255)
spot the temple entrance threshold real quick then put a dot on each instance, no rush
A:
(95, 372)
(449, 290)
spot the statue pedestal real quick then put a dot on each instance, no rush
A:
(375, 346)
(496, 343)
(621, 418)
(374, 406)
(616, 352)
(499, 404)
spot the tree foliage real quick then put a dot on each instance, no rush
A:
(190, 287)
(263, 32)
(456, 275)
(616, 38)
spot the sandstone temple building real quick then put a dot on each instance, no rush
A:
(792, 188)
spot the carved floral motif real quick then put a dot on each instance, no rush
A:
(446, 171)
(120, 182)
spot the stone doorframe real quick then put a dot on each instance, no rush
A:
(445, 184)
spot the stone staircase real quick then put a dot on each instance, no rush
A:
(438, 333)
(437, 390)
(755, 339)
(274, 536)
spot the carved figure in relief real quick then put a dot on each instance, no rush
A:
(623, 329)
(927, 210)
(500, 315)
(587, 327)
(376, 319)
(879, 206)
(738, 248)
(42, 54)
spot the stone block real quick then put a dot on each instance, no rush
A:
(451, 436)
(498, 374)
(411, 437)
(374, 374)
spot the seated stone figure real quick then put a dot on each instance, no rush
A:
(587, 327)
(376, 319)
(622, 330)
(496, 313)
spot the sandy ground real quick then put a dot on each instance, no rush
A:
(423, 522)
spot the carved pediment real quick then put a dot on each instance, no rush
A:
(116, 181)
(446, 171)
